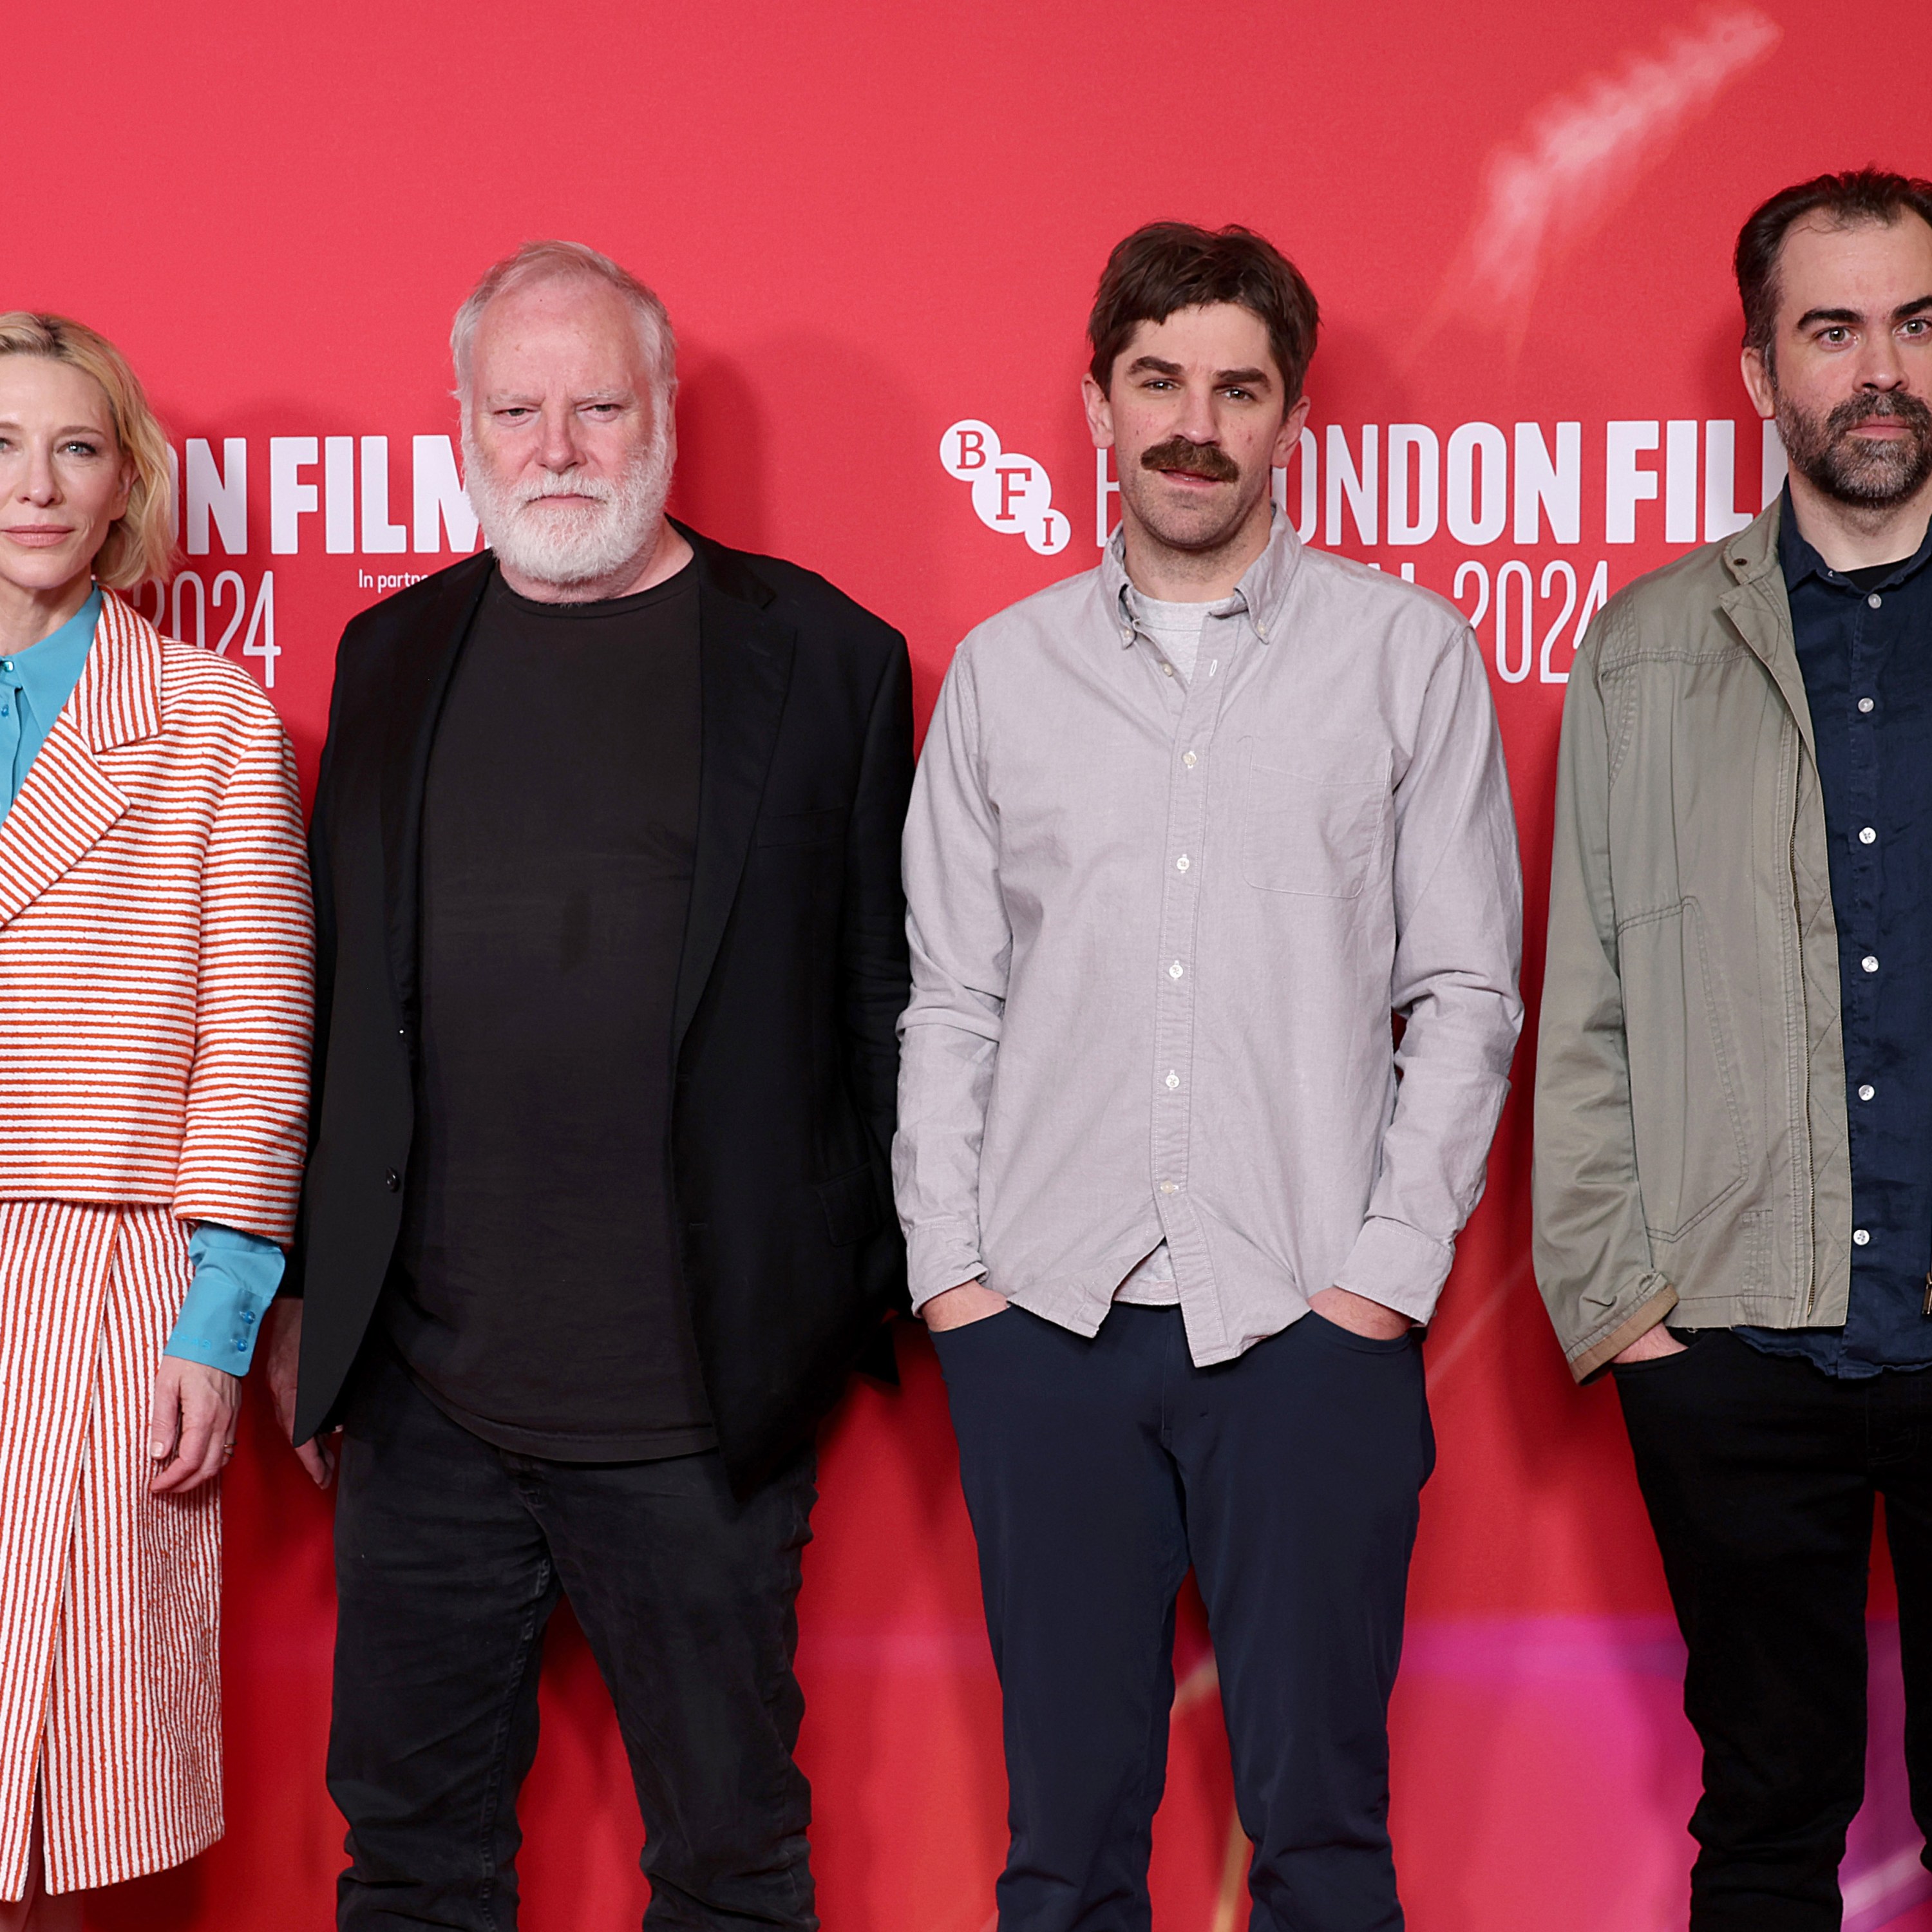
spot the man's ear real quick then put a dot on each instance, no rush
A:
(1755, 366)
(1100, 413)
(1290, 433)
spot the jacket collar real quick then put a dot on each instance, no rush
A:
(745, 660)
(1262, 593)
(68, 802)
(1760, 611)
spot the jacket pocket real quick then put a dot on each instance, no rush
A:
(1685, 1107)
(1319, 827)
(853, 1210)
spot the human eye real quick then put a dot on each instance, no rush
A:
(79, 446)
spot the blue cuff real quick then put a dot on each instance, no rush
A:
(236, 1277)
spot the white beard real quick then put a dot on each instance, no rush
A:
(568, 545)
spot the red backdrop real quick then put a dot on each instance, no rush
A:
(873, 222)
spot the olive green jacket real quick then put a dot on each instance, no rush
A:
(1691, 1155)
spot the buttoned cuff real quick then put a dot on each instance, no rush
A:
(1397, 1265)
(940, 1255)
(236, 1277)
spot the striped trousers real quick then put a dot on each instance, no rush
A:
(109, 1598)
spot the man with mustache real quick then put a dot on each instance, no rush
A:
(1734, 1086)
(1187, 829)
(598, 1211)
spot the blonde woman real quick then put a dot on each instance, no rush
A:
(155, 1010)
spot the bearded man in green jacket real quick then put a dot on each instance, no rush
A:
(1734, 1090)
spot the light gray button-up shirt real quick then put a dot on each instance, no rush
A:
(1159, 926)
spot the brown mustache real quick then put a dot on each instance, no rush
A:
(1192, 459)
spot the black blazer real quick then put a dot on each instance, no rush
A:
(792, 979)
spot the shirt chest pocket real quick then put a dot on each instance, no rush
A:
(1314, 817)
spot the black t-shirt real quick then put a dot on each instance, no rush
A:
(539, 1300)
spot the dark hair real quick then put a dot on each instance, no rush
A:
(1172, 265)
(1846, 200)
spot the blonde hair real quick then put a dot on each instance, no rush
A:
(140, 545)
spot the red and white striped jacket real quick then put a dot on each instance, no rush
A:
(156, 945)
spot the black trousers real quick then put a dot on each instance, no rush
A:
(1096, 1472)
(450, 1556)
(1759, 1471)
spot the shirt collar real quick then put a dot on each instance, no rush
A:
(1798, 560)
(47, 672)
(1262, 592)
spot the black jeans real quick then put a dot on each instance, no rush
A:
(450, 1556)
(1759, 1471)
(1095, 1472)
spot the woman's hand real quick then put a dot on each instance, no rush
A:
(191, 1433)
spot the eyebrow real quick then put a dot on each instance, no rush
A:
(1904, 312)
(524, 399)
(70, 429)
(1156, 365)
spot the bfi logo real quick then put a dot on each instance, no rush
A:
(1012, 494)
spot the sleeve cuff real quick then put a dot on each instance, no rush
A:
(236, 1277)
(1397, 1265)
(1659, 1298)
(939, 1258)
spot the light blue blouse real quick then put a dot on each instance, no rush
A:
(236, 1275)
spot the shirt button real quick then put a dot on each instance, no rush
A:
(1866, 1092)
(248, 1315)
(1180, 864)
(1867, 836)
(1864, 704)
(1169, 668)
(1861, 1237)
(1173, 971)
(393, 1181)
(1875, 601)
(1870, 962)
(1173, 1081)
(6, 664)
(1167, 1187)
(1187, 759)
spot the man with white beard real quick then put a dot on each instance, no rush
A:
(610, 951)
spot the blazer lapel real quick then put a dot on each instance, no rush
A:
(68, 802)
(423, 666)
(745, 657)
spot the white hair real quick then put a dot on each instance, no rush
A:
(537, 261)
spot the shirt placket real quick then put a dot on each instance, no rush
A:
(1177, 1005)
(11, 729)
(1866, 660)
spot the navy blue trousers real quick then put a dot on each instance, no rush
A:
(1096, 1472)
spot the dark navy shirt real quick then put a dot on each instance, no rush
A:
(1864, 645)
